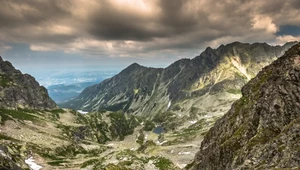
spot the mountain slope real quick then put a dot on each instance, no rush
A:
(212, 79)
(261, 130)
(19, 90)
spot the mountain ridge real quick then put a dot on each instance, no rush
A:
(228, 67)
(261, 130)
(19, 90)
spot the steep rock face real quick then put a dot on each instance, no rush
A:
(19, 90)
(131, 86)
(183, 85)
(262, 129)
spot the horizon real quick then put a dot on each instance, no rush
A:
(48, 76)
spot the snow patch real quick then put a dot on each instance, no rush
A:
(110, 144)
(236, 61)
(33, 166)
(86, 105)
(169, 104)
(82, 112)
(160, 143)
(184, 153)
(206, 116)
(193, 121)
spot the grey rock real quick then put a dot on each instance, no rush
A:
(262, 129)
(19, 90)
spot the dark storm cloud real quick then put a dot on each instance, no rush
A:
(27, 12)
(109, 23)
(136, 27)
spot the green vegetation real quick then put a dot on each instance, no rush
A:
(146, 145)
(56, 112)
(193, 113)
(16, 114)
(262, 137)
(121, 126)
(194, 128)
(234, 91)
(262, 79)
(5, 80)
(167, 120)
(163, 163)
(115, 167)
(89, 162)
(141, 138)
(149, 125)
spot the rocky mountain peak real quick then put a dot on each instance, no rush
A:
(134, 66)
(19, 90)
(261, 130)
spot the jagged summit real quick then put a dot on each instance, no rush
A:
(261, 130)
(19, 90)
(133, 68)
(134, 65)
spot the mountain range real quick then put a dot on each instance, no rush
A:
(184, 103)
(188, 89)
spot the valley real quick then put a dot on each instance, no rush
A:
(43, 138)
(149, 85)
(122, 131)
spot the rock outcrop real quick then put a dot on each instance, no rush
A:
(19, 90)
(262, 129)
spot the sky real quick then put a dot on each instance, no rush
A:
(47, 35)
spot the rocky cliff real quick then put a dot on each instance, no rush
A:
(211, 80)
(262, 129)
(19, 90)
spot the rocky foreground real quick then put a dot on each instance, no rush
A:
(262, 129)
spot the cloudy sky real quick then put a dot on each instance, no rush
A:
(51, 34)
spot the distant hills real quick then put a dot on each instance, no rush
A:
(62, 92)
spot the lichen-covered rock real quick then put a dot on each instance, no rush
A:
(19, 90)
(262, 129)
